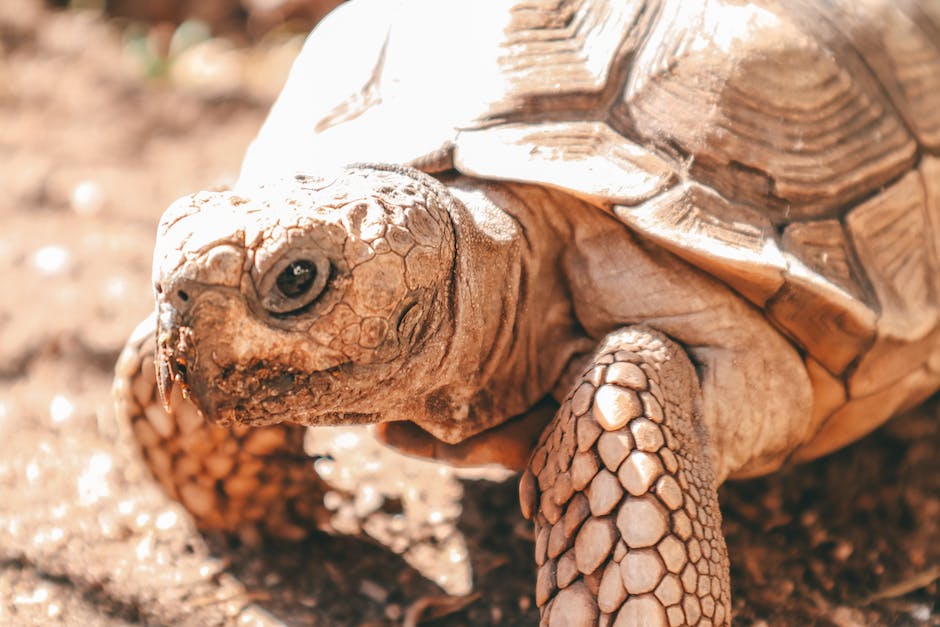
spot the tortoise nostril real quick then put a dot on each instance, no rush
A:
(183, 296)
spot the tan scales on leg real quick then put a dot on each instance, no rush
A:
(237, 479)
(624, 502)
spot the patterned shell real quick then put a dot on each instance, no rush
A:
(791, 149)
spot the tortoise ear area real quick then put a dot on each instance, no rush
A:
(409, 324)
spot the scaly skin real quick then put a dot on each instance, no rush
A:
(623, 496)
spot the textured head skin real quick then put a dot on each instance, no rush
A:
(313, 300)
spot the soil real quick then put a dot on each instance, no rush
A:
(98, 133)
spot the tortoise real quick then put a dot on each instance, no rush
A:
(632, 249)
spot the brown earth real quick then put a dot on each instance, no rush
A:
(91, 150)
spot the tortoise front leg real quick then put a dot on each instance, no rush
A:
(236, 479)
(623, 495)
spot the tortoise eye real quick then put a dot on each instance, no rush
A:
(294, 282)
(297, 278)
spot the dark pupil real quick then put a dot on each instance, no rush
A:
(296, 278)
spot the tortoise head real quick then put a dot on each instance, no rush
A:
(314, 300)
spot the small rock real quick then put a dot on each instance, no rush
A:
(52, 259)
(87, 198)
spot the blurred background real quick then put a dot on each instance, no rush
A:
(109, 110)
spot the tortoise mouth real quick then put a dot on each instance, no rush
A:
(173, 353)
(229, 384)
(264, 393)
(259, 393)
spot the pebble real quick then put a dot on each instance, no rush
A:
(843, 550)
(373, 590)
(368, 499)
(51, 260)
(93, 483)
(496, 614)
(61, 409)
(166, 520)
(921, 613)
(87, 198)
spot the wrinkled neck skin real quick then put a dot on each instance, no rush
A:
(540, 277)
(513, 330)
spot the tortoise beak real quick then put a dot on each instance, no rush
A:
(171, 367)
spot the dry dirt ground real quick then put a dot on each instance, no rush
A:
(91, 150)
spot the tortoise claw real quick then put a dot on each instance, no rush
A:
(167, 339)
(164, 378)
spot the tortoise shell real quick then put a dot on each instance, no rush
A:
(790, 149)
